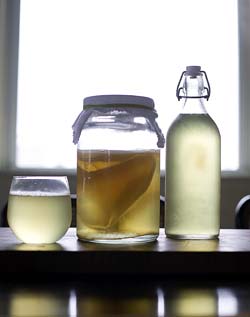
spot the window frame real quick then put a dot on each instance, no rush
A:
(9, 39)
(9, 43)
(244, 92)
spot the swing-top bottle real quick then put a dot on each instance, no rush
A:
(193, 164)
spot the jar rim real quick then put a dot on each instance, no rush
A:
(118, 100)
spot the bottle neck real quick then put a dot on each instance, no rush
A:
(193, 87)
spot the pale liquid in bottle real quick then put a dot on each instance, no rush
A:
(39, 218)
(118, 195)
(193, 177)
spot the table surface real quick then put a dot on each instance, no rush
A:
(230, 254)
(109, 279)
(125, 297)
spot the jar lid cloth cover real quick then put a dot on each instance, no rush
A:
(134, 105)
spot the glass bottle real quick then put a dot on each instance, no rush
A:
(193, 164)
(118, 169)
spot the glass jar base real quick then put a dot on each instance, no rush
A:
(192, 236)
(124, 240)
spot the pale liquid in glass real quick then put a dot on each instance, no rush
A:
(193, 178)
(39, 219)
(118, 195)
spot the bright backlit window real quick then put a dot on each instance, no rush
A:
(69, 50)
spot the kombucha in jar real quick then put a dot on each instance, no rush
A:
(118, 170)
(118, 194)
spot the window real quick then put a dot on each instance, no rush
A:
(72, 49)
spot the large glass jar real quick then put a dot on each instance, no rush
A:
(118, 169)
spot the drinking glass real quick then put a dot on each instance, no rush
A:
(39, 208)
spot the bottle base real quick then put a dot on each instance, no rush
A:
(122, 240)
(192, 236)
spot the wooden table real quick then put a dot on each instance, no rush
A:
(72, 278)
(230, 254)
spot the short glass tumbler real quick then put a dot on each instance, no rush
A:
(39, 208)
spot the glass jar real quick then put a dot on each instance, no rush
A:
(118, 169)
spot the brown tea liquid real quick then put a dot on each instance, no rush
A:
(118, 195)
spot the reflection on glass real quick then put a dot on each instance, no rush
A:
(194, 302)
(198, 245)
(227, 303)
(108, 298)
(30, 303)
(117, 300)
(38, 247)
(160, 303)
(72, 304)
(103, 306)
